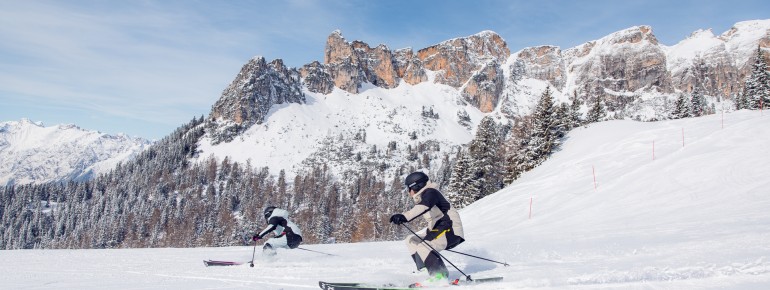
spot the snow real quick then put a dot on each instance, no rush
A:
(293, 132)
(695, 217)
(31, 152)
(702, 42)
(742, 39)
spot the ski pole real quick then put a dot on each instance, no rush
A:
(493, 261)
(316, 252)
(251, 264)
(467, 277)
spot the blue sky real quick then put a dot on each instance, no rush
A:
(145, 67)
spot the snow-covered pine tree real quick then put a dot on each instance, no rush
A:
(681, 108)
(545, 130)
(698, 103)
(563, 119)
(516, 161)
(757, 85)
(484, 158)
(463, 186)
(598, 112)
(576, 118)
(739, 100)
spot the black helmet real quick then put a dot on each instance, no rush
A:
(416, 181)
(269, 211)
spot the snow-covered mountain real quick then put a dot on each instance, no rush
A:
(368, 105)
(694, 217)
(31, 152)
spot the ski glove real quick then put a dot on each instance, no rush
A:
(255, 238)
(398, 219)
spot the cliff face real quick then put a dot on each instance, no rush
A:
(703, 61)
(630, 60)
(471, 60)
(484, 88)
(316, 78)
(409, 67)
(456, 60)
(544, 63)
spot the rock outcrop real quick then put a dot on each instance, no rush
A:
(624, 62)
(471, 62)
(409, 67)
(316, 78)
(456, 60)
(248, 98)
(484, 88)
(545, 63)
(702, 61)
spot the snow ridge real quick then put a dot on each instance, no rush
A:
(31, 152)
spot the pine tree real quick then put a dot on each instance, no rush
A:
(484, 157)
(545, 130)
(597, 112)
(681, 108)
(757, 85)
(563, 119)
(463, 186)
(740, 100)
(576, 119)
(698, 103)
(516, 161)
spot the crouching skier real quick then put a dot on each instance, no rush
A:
(444, 231)
(287, 234)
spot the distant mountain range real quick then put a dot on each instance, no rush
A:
(31, 152)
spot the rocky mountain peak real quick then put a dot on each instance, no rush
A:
(247, 100)
(337, 48)
(351, 64)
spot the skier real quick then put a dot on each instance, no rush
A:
(287, 234)
(444, 231)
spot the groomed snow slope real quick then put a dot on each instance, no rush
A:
(696, 217)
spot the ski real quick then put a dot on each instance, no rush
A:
(477, 281)
(356, 286)
(363, 286)
(220, 263)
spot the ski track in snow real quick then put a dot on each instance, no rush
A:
(696, 217)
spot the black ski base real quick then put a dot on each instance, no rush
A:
(363, 286)
(221, 263)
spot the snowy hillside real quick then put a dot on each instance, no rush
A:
(293, 133)
(31, 152)
(695, 217)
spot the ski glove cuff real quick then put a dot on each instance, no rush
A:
(398, 219)
(255, 238)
